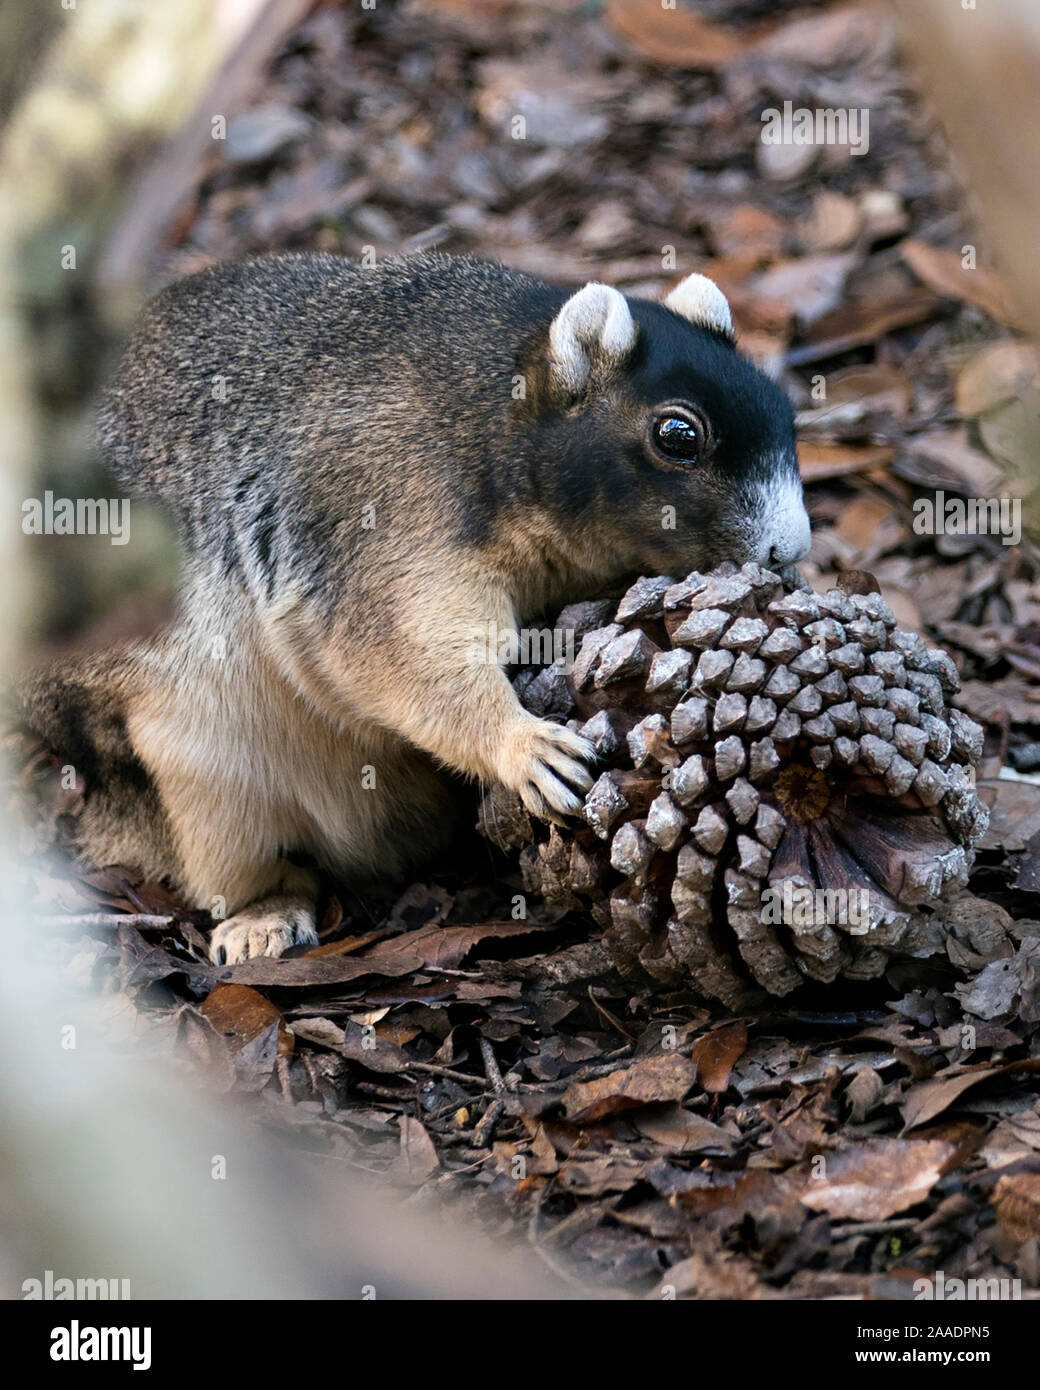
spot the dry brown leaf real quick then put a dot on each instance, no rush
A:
(241, 1014)
(1011, 435)
(1012, 698)
(748, 230)
(1014, 813)
(711, 1273)
(675, 38)
(666, 1077)
(818, 461)
(880, 389)
(442, 947)
(827, 39)
(717, 1053)
(904, 606)
(944, 458)
(809, 286)
(860, 520)
(346, 946)
(1016, 1199)
(930, 1098)
(310, 971)
(927, 1099)
(874, 1180)
(942, 270)
(999, 373)
(371, 1049)
(853, 325)
(680, 1131)
(417, 1158)
(833, 223)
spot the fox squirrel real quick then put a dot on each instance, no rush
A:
(366, 467)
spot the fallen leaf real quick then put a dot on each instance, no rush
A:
(947, 459)
(1014, 813)
(1016, 1200)
(809, 285)
(255, 1060)
(1011, 435)
(239, 1014)
(855, 324)
(860, 520)
(826, 39)
(819, 461)
(994, 989)
(667, 1077)
(884, 389)
(748, 230)
(942, 270)
(675, 38)
(995, 702)
(355, 1042)
(307, 972)
(443, 947)
(864, 1093)
(999, 373)
(679, 1131)
(715, 1055)
(930, 1098)
(417, 1157)
(347, 945)
(874, 1180)
(833, 223)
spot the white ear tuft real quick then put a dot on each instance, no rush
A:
(595, 321)
(701, 301)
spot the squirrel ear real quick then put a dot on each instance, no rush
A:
(595, 322)
(701, 301)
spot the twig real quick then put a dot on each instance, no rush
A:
(875, 1228)
(461, 1076)
(486, 1123)
(494, 1075)
(144, 921)
(614, 1023)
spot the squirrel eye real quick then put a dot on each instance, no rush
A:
(678, 438)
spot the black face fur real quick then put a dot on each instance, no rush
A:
(737, 499)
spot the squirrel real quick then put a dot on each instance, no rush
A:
(368, 465)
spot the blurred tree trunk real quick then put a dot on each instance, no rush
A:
(93, 95)
(980, 67)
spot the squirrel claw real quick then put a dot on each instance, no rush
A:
(547, 767)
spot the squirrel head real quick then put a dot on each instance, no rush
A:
(653, 431)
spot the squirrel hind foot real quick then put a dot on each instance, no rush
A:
(266, 928)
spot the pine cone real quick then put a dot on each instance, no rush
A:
(762, 743)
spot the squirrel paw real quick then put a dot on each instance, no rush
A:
(545, 764)
(267, 928)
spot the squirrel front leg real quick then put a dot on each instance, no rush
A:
(441, 686)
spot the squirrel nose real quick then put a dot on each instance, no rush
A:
(787, 533)
(787, 553)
